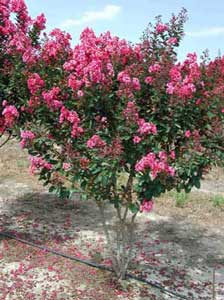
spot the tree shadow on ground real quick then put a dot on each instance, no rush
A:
(42, 216)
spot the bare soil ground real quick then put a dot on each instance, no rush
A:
(178, 247)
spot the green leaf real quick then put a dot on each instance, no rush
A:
(133, 208)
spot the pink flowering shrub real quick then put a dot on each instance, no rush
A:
(146, 206)
(10, 114)
(108, 107)
(26, 137)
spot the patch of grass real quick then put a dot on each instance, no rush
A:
(218, 200)
(181, 199)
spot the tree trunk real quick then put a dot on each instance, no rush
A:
(120, 250)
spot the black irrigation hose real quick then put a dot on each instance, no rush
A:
(94, 265)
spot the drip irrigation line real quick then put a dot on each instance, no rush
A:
(95, 265)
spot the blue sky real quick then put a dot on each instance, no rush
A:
(128, 18)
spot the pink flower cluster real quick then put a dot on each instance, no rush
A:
(172, 41)
(131, 112)
(95, 142)
(66, 166)
(19, 42)
(113, 150)
(73, 118)
(19, 7)
(131, 115)
(136, 139)
(92, 62)
(184, 78)
(10, 114)
(27, 136)
(57, 44)
(146, 128)
(172, 154)
(40, 22)
(149, 80)
(16, 25)
(146, 205)
(155, 164)
(187, 133)
(35, 83)
(154, 68)
(74, 83)
(124, 78)
(51, 97)
(38, 162)
(160, 28)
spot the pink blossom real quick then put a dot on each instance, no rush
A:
(124, 77)
(160, 28)
(136, 139)
(38, 162)
(27, 136)
(146, 162)
(175, 74)
(51, 97)
(147, 128)
(74, 83)
(115, 149)
(146, 205)
(110, 69)
(187, 133)
(103, 120)
(10, 114)
(4, 103)
(57, 44)
(40, 22)
(131, 112)
(149, 80)
(20, 42)
(95, 142)
(172, 154)
(172, 41)
(154, 68)
(29, 56)
(35, 83)
(186, 90)
(154, 164)
(66, 166)
(222, 110)
(163, 156)
(72, 118)
(170, 88)
(136, 84)
(80, 93)
(76, 130)
(171, 171)
(191, 58)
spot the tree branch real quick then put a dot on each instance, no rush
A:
(8, 138)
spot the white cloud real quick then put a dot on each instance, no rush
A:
(107, 13)
(213, 31)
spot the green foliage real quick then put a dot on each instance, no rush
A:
(218, 200)
(181, 198)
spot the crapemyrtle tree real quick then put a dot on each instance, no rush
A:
(120, 123)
